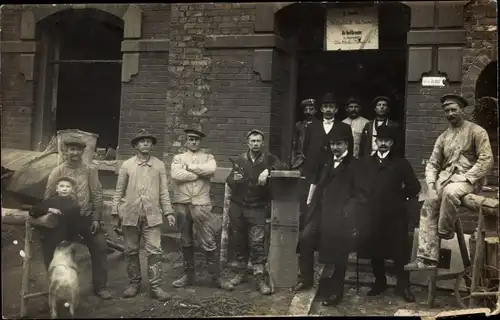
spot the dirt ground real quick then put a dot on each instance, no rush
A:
(198, 301)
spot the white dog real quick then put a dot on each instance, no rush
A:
(64, 290)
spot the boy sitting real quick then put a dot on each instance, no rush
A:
(57, 218)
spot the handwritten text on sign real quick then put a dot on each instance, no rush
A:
(352, 29)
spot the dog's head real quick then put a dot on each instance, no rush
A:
(67, 247)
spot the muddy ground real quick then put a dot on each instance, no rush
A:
(198, 301)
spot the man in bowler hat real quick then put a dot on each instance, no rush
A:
(140, 202)
(191, 172)
(383, 223)
(368, 144)
(459, 163)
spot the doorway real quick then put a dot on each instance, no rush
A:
(363, 74)
(79, 75)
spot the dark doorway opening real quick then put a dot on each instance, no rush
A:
(84, 73)
(363, 74)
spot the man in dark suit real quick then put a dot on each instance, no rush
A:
(383, 225)
(338, 195)
(368, 146)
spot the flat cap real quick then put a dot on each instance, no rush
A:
(454, 98)
(381, 98)
(75, 141)
(353, 100)
(68, 179)
(194, 133)
(308, 102)
(143, 134)
(255, 131)
(328, 98)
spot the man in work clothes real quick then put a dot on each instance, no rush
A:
(337, 192)
(356, 121)
(368, 145)
(88, 191)
(191, 172)
(250, 207)
(139, 204)
(459, 163)
(309, 109)
(383, 224)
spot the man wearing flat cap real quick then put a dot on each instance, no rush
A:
(88, 191)
(191, 172)
(337, 193)
(368, 146)
(458, 165)
(383, 223)
(356, 121)
(250, 208)
(309, 109)
(140, 202)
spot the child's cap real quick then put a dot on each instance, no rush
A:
(68, 179)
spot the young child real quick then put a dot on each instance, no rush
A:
(60, 215)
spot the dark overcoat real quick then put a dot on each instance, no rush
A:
(365, 145)
(383, 222)
(336, 201)
(317, 146)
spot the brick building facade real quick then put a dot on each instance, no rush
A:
(229, 67)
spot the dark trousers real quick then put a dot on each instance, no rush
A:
(50, 239)
(334, 285)
(248, 234)
(403, 277)
(308, 243)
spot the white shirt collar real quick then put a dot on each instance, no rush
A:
(328, 121)
(383, 155)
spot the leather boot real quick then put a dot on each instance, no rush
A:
(305, 278)
(215, 272)
(261, 284)
(378, 287)
(134, 275)
(155, 274)
(189, 276)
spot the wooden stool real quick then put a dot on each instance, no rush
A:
(28, 246)
(435, 277)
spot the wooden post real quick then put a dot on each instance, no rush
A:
(284, 228)
(224, 240)
(28, 241)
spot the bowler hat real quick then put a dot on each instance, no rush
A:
(353, 100)
(142, 134)
(194, 133)
(339, 134)
(328, 98)
(255, 131)
(75, 141)
(381, 98)
(385, 132)
(454, 98)
(308, 102)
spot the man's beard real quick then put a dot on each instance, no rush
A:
(353, 115)
(309, 116)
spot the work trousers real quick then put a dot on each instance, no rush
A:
(96, 243)
(198, 224)
(151, 235)
(248, 234)
(439, 216)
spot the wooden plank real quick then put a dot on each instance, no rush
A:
(224, 241)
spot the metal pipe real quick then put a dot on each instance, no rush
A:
(84, 61)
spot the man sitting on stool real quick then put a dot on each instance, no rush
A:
(461, 158)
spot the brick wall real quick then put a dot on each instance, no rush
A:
(16, 94)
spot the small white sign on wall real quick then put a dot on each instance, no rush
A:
(434, 82)
(352, 28)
